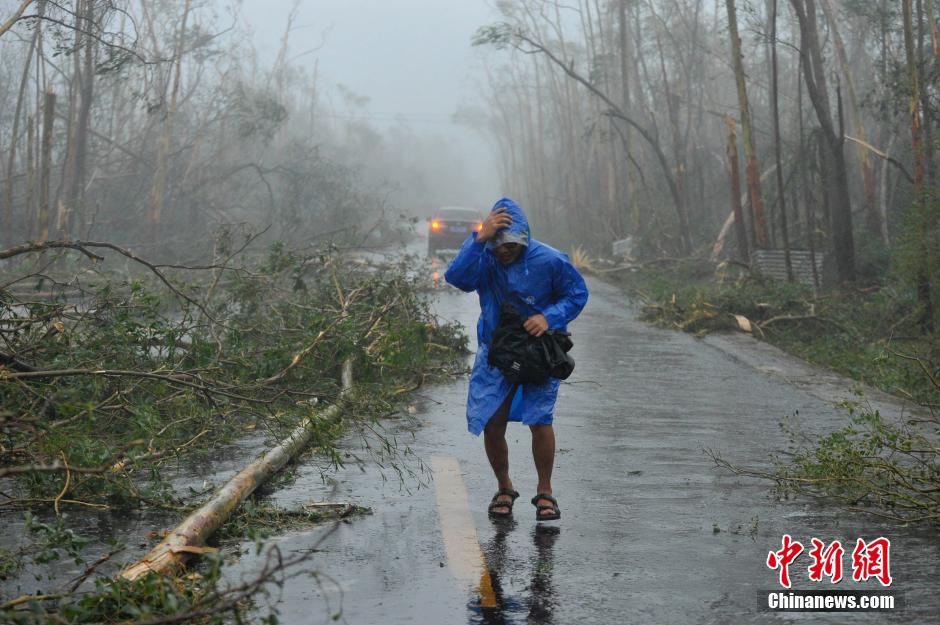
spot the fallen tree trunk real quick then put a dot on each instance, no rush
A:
(189, 536)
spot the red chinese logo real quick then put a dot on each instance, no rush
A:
(783, 558)
(869, 560)
(872, 560)
(826, 561)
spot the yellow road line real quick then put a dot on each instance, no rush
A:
(465, 559)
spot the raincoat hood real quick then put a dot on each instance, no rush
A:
(518, 232)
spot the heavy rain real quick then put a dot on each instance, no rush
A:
(469, 311)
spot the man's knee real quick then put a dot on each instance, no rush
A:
(495, 428)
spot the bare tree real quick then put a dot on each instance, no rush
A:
(836, 182)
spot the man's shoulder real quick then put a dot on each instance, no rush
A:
(548, 259)
(545, 251)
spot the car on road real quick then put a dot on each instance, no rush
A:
(450, 226)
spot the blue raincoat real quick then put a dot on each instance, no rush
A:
(542, 280)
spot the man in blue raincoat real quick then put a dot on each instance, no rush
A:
(502, 263)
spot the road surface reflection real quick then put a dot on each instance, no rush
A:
(534, 603)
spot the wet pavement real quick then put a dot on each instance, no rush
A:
(651, 530)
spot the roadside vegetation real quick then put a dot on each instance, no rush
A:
(869, 334)
(113, 383)
(877, 464)
(887, 465)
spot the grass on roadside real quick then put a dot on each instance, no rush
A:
(888, 467)
(868, 335)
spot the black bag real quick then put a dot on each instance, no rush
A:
(527, 359)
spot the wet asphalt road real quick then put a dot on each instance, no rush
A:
(651, 531)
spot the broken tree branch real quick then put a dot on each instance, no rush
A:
(883, 155)
(7, 25)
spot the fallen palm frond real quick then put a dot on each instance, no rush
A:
(581, 260)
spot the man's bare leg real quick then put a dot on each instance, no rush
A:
(543, 452)
(497, 450)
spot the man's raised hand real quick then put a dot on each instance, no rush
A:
(494, 222)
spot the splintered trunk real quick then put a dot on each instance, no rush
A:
(738, 210)
(45, 168)
(756, 203)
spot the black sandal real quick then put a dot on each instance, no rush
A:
(556, 511)
(495, 503)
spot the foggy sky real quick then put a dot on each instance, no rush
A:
(411, 58)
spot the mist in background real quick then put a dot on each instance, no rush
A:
(394, 73)
(160, 125)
